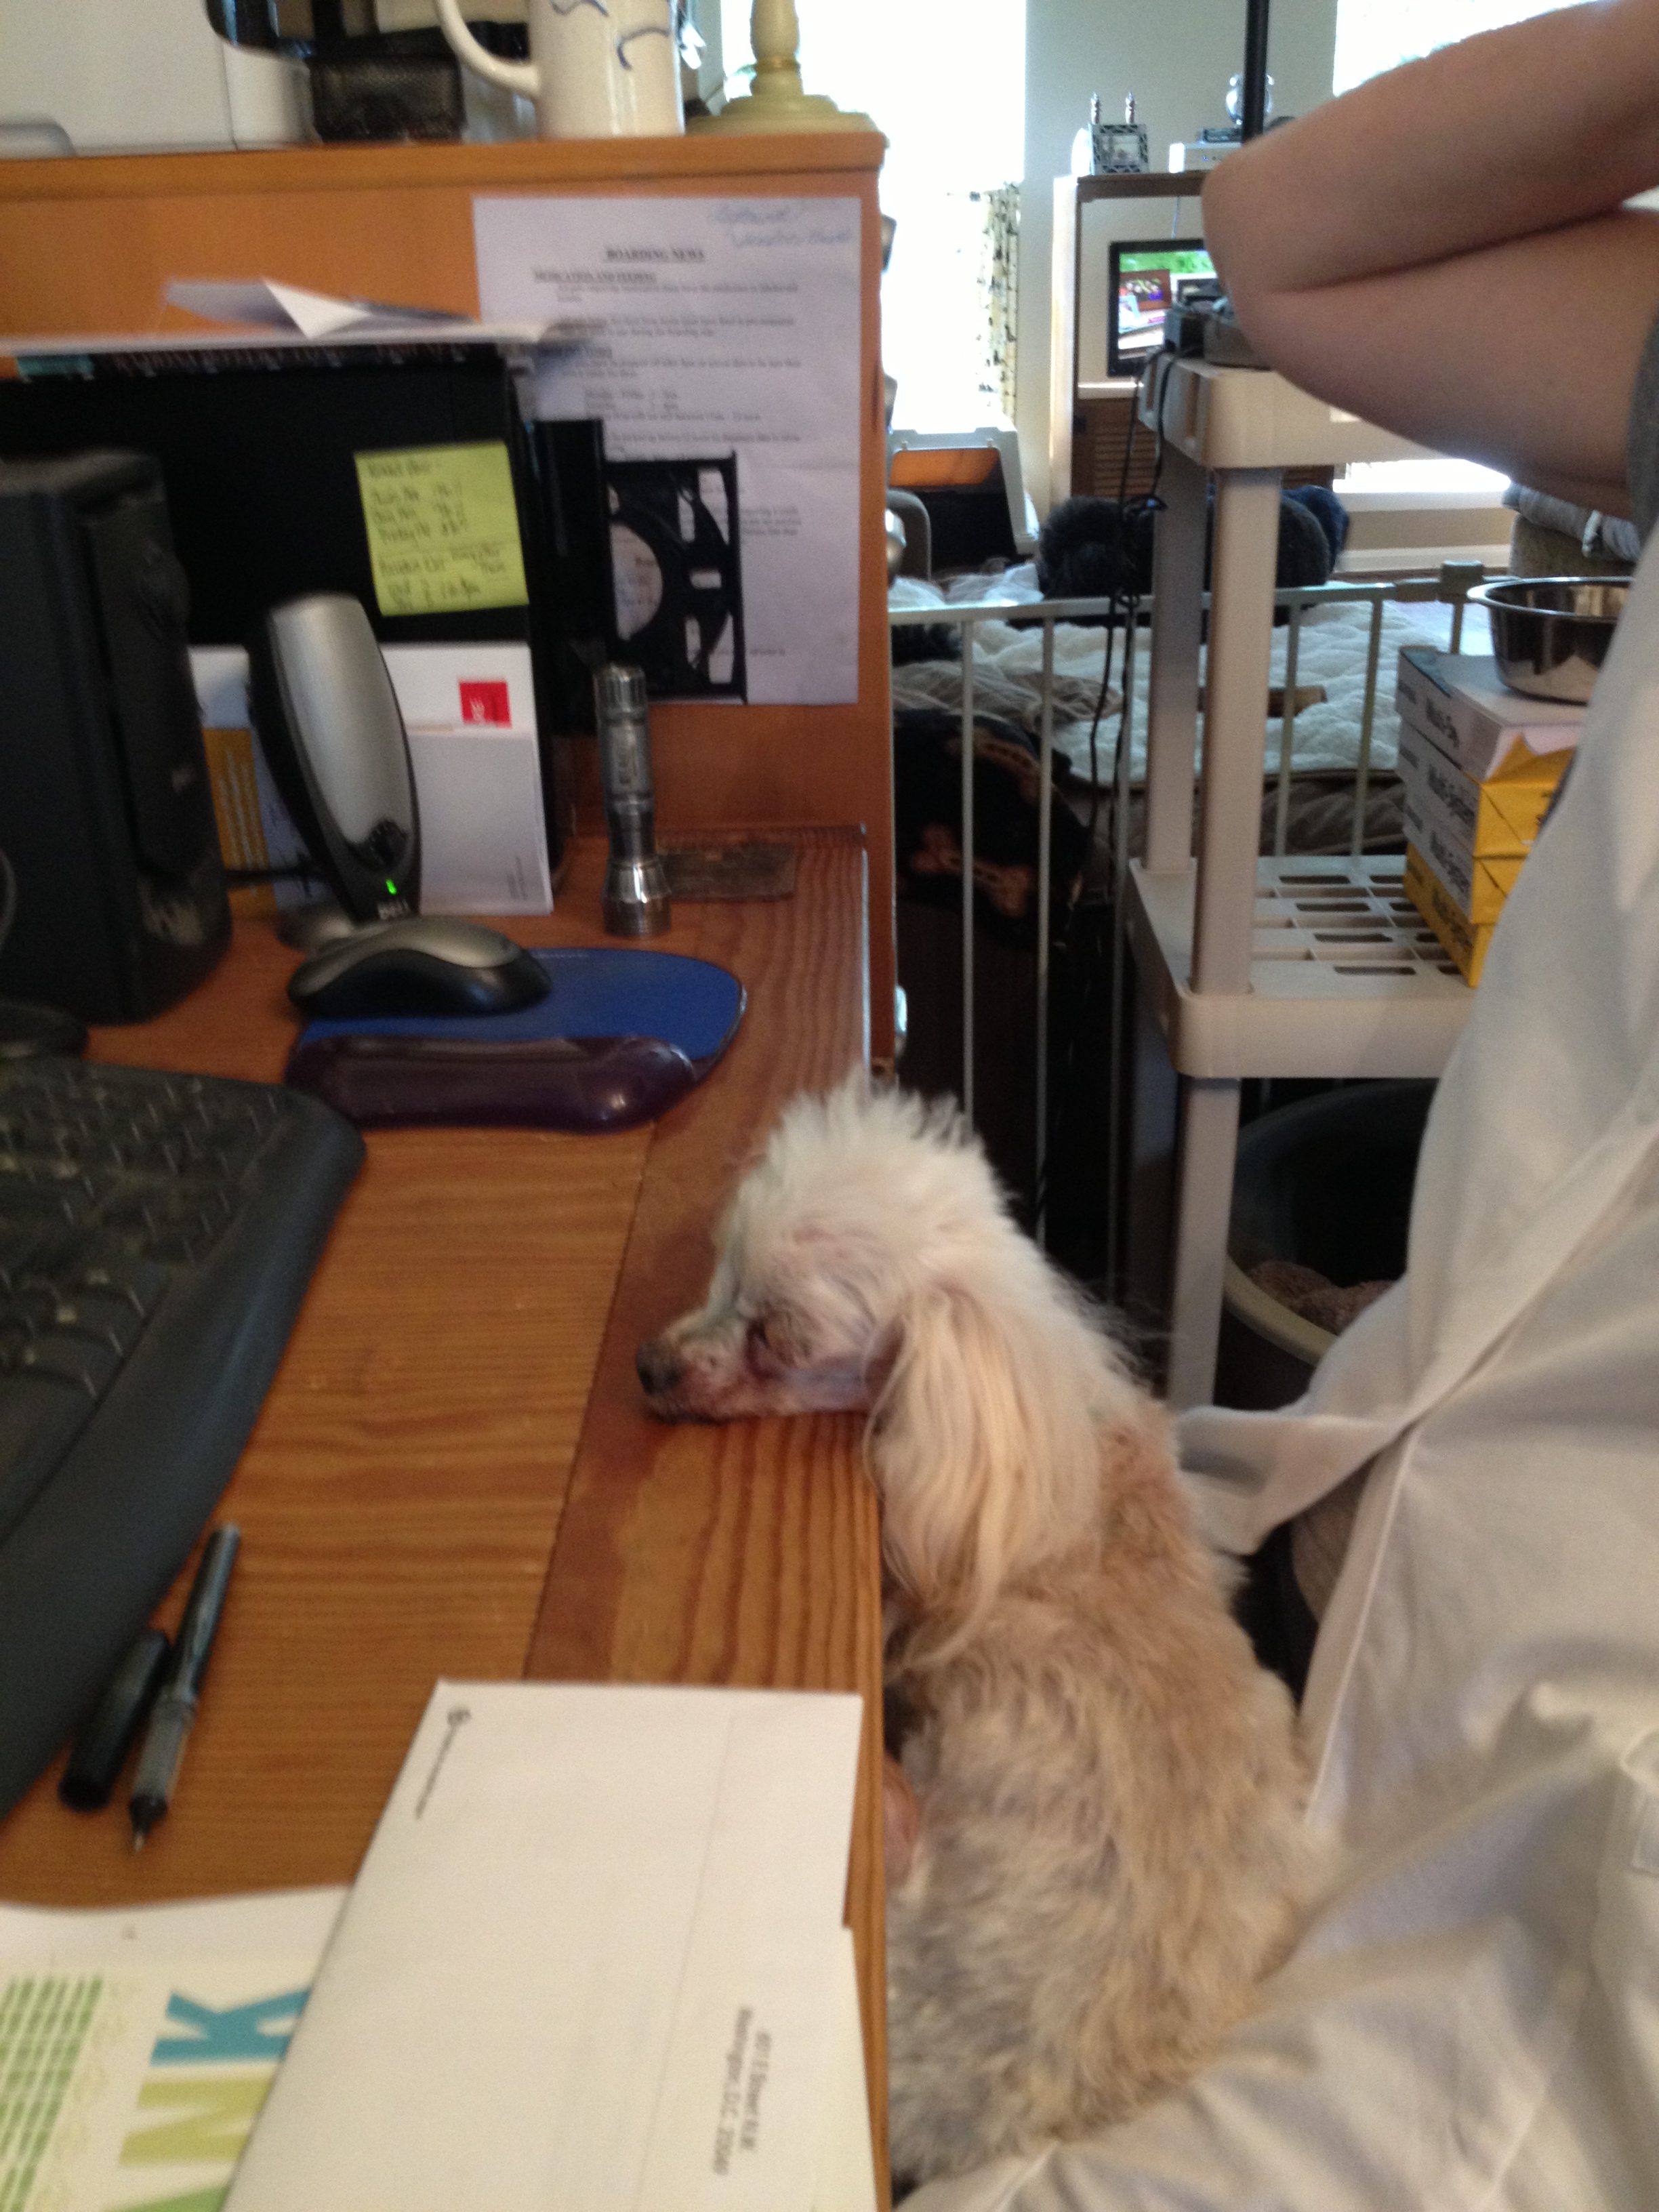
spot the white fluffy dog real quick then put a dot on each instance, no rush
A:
(1095, 1847)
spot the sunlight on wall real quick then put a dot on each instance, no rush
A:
(1370, 37)
(947, 86)
(1467, 480)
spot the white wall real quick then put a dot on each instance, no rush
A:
(1176, 58)
(114, 73)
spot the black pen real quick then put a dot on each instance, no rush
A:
(174, 1714)
(100, 1749)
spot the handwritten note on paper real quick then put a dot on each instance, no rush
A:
(443, 529)
(723, 326)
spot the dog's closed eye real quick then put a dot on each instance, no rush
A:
(773, 1343)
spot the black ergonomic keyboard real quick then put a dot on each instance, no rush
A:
(156, 1236)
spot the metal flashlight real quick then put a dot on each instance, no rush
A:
(635, 898)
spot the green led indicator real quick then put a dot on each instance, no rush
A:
(391, 887)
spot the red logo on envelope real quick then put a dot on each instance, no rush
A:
(485, 702)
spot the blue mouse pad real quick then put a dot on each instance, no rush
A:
(621, 1035)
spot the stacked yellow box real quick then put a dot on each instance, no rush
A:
(1480, 766)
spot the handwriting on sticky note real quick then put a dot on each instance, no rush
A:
(443, 529)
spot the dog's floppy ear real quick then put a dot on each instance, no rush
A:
(984, 1445)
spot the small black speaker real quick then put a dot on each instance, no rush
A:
(333, 737)
(105, 809)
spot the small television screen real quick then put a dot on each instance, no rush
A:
(1148, 277)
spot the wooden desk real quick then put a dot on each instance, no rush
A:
(453, 1472)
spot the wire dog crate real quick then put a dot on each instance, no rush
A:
(1344, 978)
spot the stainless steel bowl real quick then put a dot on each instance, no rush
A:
(1551, 634)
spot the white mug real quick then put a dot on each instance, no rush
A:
(598, 69)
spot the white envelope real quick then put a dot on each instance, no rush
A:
(593, 1959)
(470, 712)
(484, 837)
(846, 2169)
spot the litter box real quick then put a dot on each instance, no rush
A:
(1326, 1181)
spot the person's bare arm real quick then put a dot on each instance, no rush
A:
(1444, 251)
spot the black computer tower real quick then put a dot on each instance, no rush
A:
(106, 809)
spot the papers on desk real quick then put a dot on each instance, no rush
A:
(267, 305)
(470, 712)
(135, 2046)
(271, 315)
(593, 1961)
(726, 325)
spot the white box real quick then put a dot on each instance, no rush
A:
(1458, 699)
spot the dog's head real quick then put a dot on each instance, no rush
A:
(867, 1262)
(857, 1203)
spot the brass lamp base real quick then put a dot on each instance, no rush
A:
(776, 101)
(781, 110)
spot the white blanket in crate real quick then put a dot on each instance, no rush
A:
(1331, 652)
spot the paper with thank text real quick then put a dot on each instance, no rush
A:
(726, 325)
(589, 1964)
(137, 2046)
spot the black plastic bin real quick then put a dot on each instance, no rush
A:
(1326, 1181)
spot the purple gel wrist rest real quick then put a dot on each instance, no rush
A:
(621, 1036)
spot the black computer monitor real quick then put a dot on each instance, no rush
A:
(1149, 276)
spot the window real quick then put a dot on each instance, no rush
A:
(1371, 38)
(953, 108)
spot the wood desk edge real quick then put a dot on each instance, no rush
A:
(527, 163)
(706, 1491)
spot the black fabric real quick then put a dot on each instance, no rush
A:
(928, 823)
(1090, 547)
(1327, 511)
(1642, 446)
(1272, 1611)
(925, 641)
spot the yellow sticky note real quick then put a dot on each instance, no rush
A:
(443, 529)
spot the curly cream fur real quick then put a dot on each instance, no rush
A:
(1096, 1848)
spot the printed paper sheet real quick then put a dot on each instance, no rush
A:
(726, 325)
(137, 2048)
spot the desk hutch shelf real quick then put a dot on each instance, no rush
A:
(91, 244)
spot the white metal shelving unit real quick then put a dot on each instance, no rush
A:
(1250, 967)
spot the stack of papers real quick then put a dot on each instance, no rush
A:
(593, 1959)
(1480, 767)
(267, 313)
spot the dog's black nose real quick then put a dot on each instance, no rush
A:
(657, 1366)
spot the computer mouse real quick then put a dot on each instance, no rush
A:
(427, 964)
